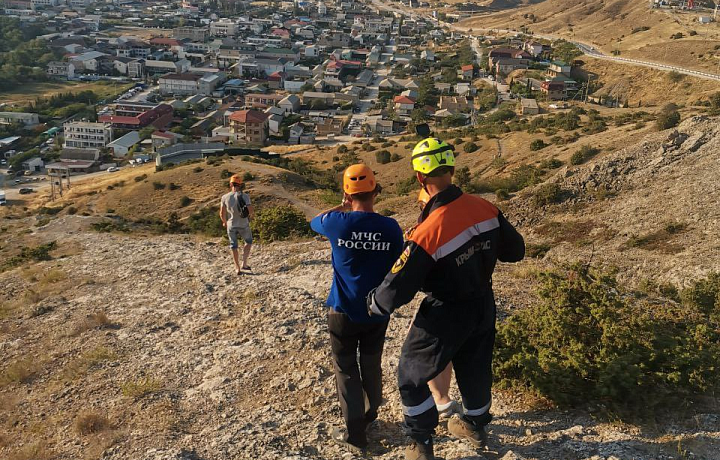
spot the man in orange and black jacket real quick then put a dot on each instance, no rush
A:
(451, 257)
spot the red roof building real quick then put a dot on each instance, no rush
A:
(159, 116)
(249, 127)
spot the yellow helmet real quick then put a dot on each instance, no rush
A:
(359, 178)
(431, 153)
(423, 196)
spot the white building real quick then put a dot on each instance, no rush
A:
(87, 135)
(224, 28)
(121, 146)
(27, 119)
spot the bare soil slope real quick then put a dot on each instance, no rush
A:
(631, 28)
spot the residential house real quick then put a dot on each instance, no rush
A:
(330, 126)
(121, 146)
(262, 100)
(554, 90)
(427, 55)
(467, 71)
(154, 67)
(274, 123)
(84, 135)
(224, 28)
(454, 104)
(196, 34)
(248, 127)
(505, 66)
(27, 119)
(529, 107)
(378, 125)
(136, 115)
(404, 105)
(164, 139)
(506, 53)
(558, 68)
(34, 164)
(537, 49)
(61, 69)
(310, 98)
(290, 103)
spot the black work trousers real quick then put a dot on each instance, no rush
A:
(359, 387)
(462, 334)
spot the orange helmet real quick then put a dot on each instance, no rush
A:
(236, 179)
(423, 196)
(359, 178)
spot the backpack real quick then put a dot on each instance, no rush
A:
(242, 207)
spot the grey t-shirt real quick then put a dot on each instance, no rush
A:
(231, 202)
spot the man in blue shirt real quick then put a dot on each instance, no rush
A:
(364, 247)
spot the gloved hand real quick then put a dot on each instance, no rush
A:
(373, 308)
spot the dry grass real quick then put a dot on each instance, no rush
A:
(97, 320)
(141, 387)
(87, 361)
(659, 240)
(35, 451)
(91, 422)
(21, 371)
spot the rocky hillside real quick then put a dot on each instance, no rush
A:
(650, 208)
(141, 346)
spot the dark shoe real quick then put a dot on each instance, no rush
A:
(341, 437)
(420, 450)
(463, 429)
(247, 267)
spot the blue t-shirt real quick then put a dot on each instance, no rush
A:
(365, 245)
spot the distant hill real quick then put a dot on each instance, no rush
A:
(631, 28)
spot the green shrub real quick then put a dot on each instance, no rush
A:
(537, 251)
(552, 163)
(342, 149)
(395, 157)
(458, 141)
(248, 176)
(140, 178)
(108, 226)
(387, 212)
(704, 296)
(279, 223)
(537, 144)
(206, 222)
(470, 147)
(668, 118)
(502, 194)
(386, 144)
(368, 147)
(173, 186)
(462, 177)
(185, 201)
(382, 156)
(547, 194)
(225, 174)
(587, 342)
(158, 185)
(36, 254)
(406, 186)
(584, 154)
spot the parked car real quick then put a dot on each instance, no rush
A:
(113, 169)
(27, 173)
(25, 191)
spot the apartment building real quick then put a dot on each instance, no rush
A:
(196, 34)
(179, 83)
(87, 135)
(224, 28)
(248, 127)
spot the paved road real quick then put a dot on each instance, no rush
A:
(584, 47)
(12, 190)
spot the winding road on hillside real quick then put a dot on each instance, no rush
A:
(584, 47)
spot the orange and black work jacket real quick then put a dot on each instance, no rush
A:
(451, 254)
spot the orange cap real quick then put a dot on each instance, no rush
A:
(359, 178)
(236, 179)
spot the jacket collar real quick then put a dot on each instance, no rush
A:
(443, 198)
